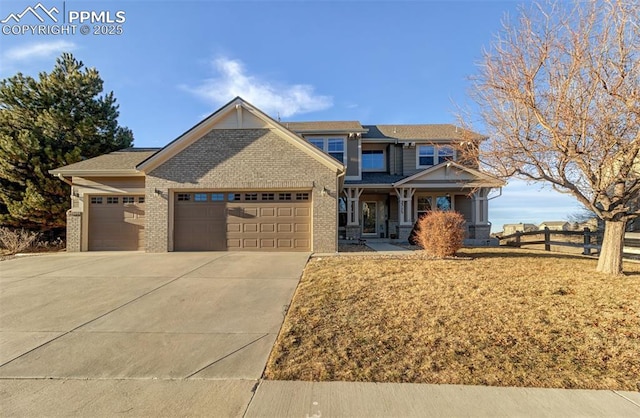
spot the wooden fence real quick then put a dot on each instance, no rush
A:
(589, 241)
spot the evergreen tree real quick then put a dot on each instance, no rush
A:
(59, 119)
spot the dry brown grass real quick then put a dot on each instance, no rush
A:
(506, 317)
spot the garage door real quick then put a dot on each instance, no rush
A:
(116, 223)
(262, 221)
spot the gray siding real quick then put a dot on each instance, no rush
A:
(409, 161)
(353, 157)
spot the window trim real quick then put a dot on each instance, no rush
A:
(325, 145)
(433, 196)
(436, 154)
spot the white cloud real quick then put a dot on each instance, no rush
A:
(231, 80)
(37, 50)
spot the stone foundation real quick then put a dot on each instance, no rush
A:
(403, 232)
(353, 232)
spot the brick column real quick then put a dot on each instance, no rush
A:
(74, 231)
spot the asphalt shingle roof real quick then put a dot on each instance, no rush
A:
(376, 178)
(425, 132)
(124, 159)
(346, 126)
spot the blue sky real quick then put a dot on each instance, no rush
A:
(372, 61)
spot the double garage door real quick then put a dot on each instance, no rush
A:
(262, 221)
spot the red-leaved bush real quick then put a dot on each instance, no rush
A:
(440, 233)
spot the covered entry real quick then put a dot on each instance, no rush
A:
(241, 221)
(116, 222)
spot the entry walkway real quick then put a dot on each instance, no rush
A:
(384, 247)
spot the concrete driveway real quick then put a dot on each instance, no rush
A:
(143, 334)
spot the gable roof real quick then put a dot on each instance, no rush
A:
(236, 105)
(486, 180)
(117, 163)
(432, 132)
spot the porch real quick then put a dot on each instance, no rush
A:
(389, 214)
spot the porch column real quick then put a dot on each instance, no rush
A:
(405, 212)
(481, 227)
(353, 198)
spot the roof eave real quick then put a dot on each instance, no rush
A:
(98, 173)
(327, 131)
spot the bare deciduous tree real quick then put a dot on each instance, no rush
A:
(559, 93)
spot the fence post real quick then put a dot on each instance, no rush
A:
(547, 239)
(587, 241)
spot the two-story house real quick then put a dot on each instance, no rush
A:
(239, 180)
(396, 173)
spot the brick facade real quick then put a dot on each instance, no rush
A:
(74, 231)
(237, 160)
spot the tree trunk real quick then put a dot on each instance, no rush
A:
(610, 260)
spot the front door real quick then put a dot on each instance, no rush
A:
(369, 222)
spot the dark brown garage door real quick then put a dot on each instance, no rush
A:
(263, 221)
(116, 223)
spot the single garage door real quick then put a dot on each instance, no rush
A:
(262, 221)
(116, 222)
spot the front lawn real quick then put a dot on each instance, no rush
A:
(501, 317)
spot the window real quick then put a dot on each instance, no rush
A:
(128, 199)
(284, 196)
(445, 154)
(318, 143)
(141, 199)
(342, 212)
(250, 196)
(373, 160)
(233, 197)
(184, 197)
(96, 200)
(112, 200)
(332, 146)
(335, 148)
(268, 196)
(429, 155)
(200, 197)
(217, 197)
(302, 196)
(424, 205)
(443, 202)
(426, 154)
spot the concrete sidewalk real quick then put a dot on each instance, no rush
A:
(343, 399)
(384, 247)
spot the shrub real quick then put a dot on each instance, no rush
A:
(440, 233)
(16, 240)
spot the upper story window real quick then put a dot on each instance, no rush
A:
(445, 154)
(426, 155)
(373, 160)
(429, 155)
(332, 146)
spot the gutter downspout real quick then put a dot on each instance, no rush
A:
(61, 177)
(498, 195)
(339, 184)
